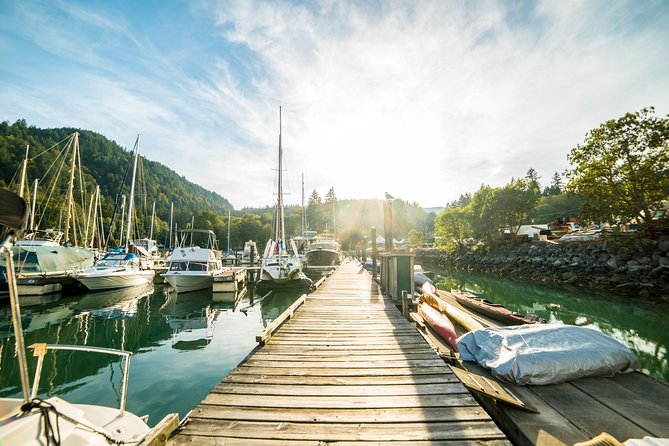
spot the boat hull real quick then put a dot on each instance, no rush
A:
(184, 282)
(322, 258)
(123, 279)
(493, 311)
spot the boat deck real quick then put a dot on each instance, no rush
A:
(346, 368)
(626, 406)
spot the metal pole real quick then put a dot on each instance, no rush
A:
(374, 252)
(16, 320)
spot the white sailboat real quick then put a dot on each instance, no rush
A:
(279, 265)
(118, 269)
(30, 420)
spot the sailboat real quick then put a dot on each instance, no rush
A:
(280, 267)
(118, 269)
(30, 420)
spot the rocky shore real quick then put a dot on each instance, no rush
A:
(627, 265)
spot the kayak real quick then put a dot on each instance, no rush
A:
(455, 314)
(493, 310)
(440, 323)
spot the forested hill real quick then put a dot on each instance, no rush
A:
(104, 163)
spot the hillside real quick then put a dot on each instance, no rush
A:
(104, 163)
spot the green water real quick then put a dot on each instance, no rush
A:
(182, 345)
(642, 326)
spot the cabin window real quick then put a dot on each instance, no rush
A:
(197, 266)
(178, 266)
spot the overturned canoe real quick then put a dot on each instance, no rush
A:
(493, 310)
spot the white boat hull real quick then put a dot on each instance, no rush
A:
(183, 281)
(27, 430)
(109, 280)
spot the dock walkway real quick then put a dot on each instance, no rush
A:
(346, 368)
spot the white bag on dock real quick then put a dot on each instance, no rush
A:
(541, 354)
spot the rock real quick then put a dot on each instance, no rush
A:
(663, 245)
(611, 263)
(557, 263)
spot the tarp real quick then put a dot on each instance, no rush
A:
(541, 354)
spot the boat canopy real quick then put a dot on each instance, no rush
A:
(42, 259)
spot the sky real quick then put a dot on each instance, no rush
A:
(425, 100)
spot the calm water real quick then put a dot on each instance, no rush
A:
(183, 345)
(642, 326)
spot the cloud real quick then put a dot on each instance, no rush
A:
(426, 100)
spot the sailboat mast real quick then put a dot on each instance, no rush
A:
(153, 216)
(280, 230)
(70, 193)
(32, 211)
(228, 249)
(24, 170)
(132, 195)
(304, 215)
(171, 222)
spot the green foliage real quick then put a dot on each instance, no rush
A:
(552, 206)
(621, 171)
(416, 238)
(556, 186)
(453, 229)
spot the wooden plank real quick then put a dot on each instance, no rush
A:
(338, 390)
(342, 402)
(203, 440)
(309, 380)
(347, 432)
(287, 371)
(342, 357)
(159, 434)
(317, 415)
(371, 364)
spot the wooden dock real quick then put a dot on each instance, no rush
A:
(631, 405)
(346, 368)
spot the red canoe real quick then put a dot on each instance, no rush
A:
(440, 323)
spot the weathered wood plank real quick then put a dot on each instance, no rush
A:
(309, 380)
(371, 364)
(373, 372)
(347, 432)
(316, 415)
(341, 402)
(203, 440)
(338, 390)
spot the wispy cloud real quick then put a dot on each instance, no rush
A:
(426, 100)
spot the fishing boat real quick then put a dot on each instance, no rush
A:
(250, 253)
(192, 267)
(281, 264)
(493, 310)
(119, 269)
(30, 420)
(323, 252)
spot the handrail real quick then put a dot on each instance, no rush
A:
(40, 349)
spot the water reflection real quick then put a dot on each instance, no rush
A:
(642, 326)
(209, 336)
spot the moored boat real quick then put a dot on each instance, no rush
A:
(323, 252)
(493, 310)
(115, 270)
(193, 267)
